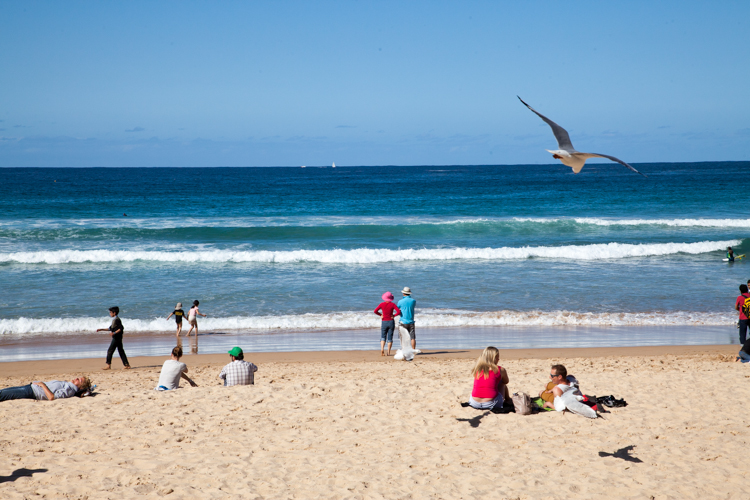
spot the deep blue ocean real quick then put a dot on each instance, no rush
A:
(305, 249)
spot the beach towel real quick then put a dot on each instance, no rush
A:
(406, 353)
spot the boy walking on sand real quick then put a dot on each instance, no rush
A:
(115, 331)
(178, 315)
(387, 310)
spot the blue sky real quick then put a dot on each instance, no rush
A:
(370, 83)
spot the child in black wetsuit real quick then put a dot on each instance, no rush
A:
(178, 315)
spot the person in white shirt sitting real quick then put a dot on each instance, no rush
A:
(239, 371)
(172, 371)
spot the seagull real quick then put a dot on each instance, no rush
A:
(567, 154)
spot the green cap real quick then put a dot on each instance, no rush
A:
(235, 351)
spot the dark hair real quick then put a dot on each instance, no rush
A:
(240, 356)
(177, 352)
(115, 310)
(195, 302)
(743, 288)
(560, 370)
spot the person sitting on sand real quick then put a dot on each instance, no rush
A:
(239, 371)
(193, 314)
(171, 372)
(47, 391)
(387, 310)
(490, 381)
(178, 315)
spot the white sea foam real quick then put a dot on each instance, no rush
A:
(323, 221)
(369, 255)
(596, 221)
(365, 319)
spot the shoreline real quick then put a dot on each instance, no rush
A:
(94, 346)
(92, 366)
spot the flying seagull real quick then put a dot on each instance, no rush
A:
(567, 153)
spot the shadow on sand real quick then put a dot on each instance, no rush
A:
(20, 473)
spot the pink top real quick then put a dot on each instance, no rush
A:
(389, 310)
(487, 387)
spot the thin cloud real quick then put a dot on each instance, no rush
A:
(346, 126)
(136, 129)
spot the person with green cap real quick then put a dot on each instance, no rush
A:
(239, 371)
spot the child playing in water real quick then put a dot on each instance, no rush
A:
(193, 314)
(178, 315)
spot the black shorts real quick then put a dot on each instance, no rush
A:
(410, 329)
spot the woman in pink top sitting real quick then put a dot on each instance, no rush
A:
(490, 381)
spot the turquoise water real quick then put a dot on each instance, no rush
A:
(281, 250)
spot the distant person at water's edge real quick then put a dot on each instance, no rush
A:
(193, 314)
(178, 315)
(730, 254)
(743, 318)
(387, 310)
(171, 372)
(406, 305)
(239, 371)
(116, 331)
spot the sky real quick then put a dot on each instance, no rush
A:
(286, 83)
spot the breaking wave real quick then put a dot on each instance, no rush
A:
(361, 320)
(367, 255)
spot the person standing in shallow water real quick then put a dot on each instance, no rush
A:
(193, 314)
(116, 331)
(178, 315)
(387, 310)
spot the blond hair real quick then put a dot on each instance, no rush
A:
(486, 362)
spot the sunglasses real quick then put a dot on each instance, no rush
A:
(552, 375)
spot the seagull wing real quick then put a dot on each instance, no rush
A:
(618, 161)
(563, 139)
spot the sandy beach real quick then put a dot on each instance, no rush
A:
(353, 425)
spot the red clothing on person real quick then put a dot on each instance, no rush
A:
(740, 301)
(388, 309)
(487, 387)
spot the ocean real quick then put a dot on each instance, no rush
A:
(288, 253)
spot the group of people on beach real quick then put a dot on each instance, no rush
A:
(388, 311)
(116, 330)
(236, 372)
(490, 390)
(192, 317)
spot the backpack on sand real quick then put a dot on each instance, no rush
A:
(522, 403)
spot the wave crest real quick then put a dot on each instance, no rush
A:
(362, 320)
(367, 255)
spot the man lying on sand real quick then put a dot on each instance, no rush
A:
(239, 371)
(47, 391)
